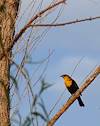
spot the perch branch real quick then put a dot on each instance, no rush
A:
(74, 96)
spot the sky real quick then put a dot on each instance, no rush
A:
(70, 44)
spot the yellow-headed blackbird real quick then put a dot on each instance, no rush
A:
(72, 87)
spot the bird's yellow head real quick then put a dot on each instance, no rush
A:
(65, 76)
(67, 80)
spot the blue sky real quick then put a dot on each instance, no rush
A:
(70, 44)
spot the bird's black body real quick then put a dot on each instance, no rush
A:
(72, 87)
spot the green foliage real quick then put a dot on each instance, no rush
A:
(39, 111)
(43, 107)
(14, 81)
(38, 114)
(18, 118)
(27, 122)
(44, 86)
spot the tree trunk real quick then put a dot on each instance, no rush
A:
(8, 11)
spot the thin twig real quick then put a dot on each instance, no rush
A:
(65, 23)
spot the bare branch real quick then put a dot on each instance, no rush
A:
(34, 18)
(29, 24)
(75, 96)
(18, 35)
(65, 23)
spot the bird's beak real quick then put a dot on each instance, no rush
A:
(61, 76)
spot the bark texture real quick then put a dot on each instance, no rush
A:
(8, 12)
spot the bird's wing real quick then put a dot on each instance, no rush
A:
(76, 86)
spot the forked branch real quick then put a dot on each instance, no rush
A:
(18, 35)
(35, 17)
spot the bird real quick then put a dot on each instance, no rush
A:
(72, 87)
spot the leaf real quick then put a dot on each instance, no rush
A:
(14, 81)
(44, 86)
(35, 100)
(44, 109)
(40, 115)
(28, 59)
(27, 122)
(16, 117)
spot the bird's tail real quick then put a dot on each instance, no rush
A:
(80, 101)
